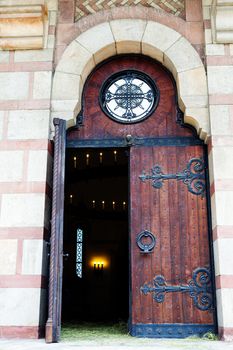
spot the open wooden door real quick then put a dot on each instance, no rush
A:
(53, 325)
(170, 250)
(170, 258)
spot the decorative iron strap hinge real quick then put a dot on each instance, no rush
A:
(199, 289)
(193, 176)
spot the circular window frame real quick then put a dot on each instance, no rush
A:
(116, 76)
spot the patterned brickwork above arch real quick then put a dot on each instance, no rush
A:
(88, 7)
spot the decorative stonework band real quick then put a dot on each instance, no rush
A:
(88, 7)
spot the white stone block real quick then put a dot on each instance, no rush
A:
(192, 83)
(27, 124)
(51, 41)
(21, 306)
(224, 205)
(215, 50)
(8, 256)
(11, 163)
(206, 12)
(213, 211)
(42, 85)
(52, 18)
(211, 167)
(67, 86)
(102, 44)
(1, 123)
(128, 34)
(208, 36)
(37, 166)
(225, 307)
(45, 55)
(199, 118)
(223, 162)
(33, 257)
(14, 86)
(22, 210)
(220, 79)
(231, 49)
(181, 57)
(223, 249)
(4, 56)
(76, 60)
(220, 120)
(158, 38)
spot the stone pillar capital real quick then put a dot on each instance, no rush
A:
(23, 24)
(222, 21)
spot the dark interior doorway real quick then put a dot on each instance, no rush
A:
(96, 268)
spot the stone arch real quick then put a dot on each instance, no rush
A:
(132, 36)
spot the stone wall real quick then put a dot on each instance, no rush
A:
(26, 162)
(219, 60)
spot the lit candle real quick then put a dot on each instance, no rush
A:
(113, 205)
(115, 156)
(75, 162)
(101, 157)
(93, 204)
(71, 198)
(103, 204)
(124, 205)
(87, 159)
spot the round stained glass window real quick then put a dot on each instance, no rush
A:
(129, 96)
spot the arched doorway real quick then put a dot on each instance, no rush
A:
(130, 102)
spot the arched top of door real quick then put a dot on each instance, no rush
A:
(122, 36)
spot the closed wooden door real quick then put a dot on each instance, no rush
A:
(170, 260)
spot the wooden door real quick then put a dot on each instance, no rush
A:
(170, 260)
(53, 324)
(171, 291)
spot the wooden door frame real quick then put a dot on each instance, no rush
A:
(55, 277)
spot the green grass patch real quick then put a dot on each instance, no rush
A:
(93, 331)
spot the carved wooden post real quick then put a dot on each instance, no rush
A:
(53, 324)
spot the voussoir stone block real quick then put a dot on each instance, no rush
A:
(8, 256)
(157, 38)
(181, 57)
(76, 60)
(192, 83)
(99, 41)
(128, 34)
(199, 118)
(70, 87)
